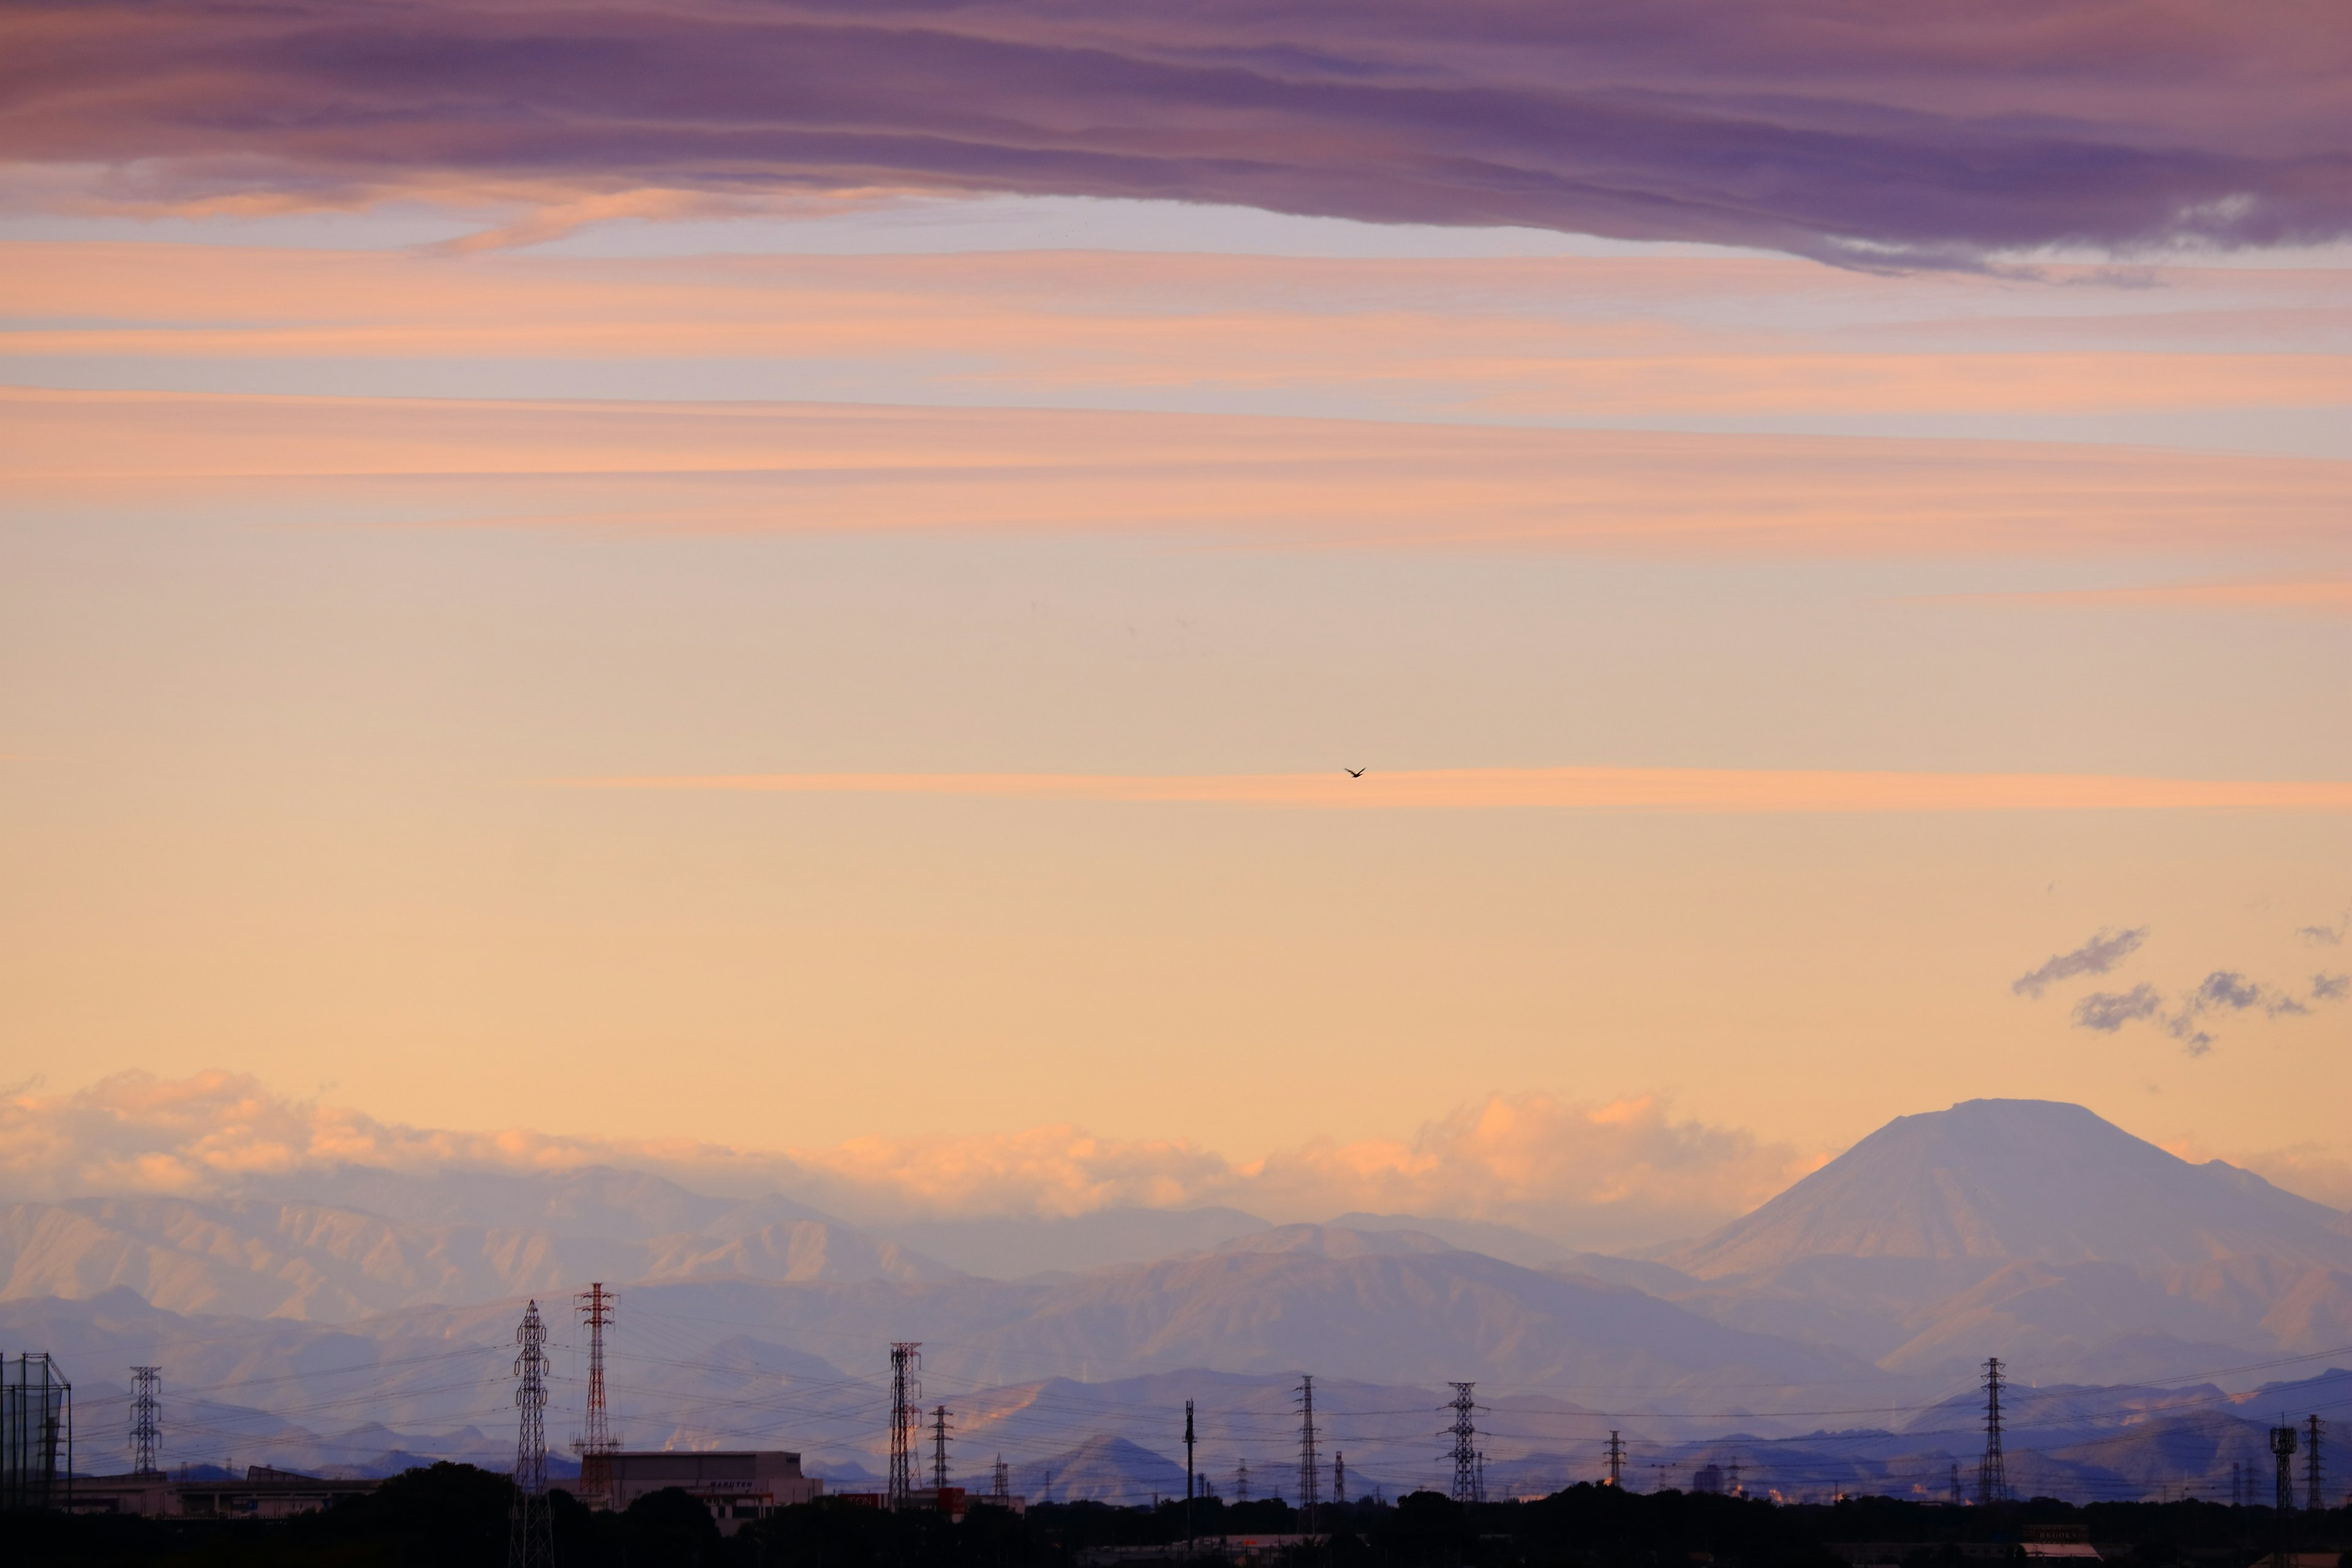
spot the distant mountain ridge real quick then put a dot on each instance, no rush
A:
(259, 1257)
(2029, 1229)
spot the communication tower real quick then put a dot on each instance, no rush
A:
(2283, 1449)
(2313, 1474)
(940, 1453)
(1616, 1460)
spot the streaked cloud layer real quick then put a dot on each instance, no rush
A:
(1570, 789)
(734, 469)
(1833, 128)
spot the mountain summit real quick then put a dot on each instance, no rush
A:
(2020, 1179)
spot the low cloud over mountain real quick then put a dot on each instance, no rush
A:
(1586, 1175)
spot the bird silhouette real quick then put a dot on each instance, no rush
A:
(1355, 772)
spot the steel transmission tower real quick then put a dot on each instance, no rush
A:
(1241, 1481)
(906, 1357)
(2282, 1449)
(940, 1453)
(146, 1431)
(999, 1485)
(532, 1543)
(1992, 1474)
(1338, 1475)
(1616, 1461)
(2313, 1474)
(1310, 1475)
(1466, 1444)
(597, 1443)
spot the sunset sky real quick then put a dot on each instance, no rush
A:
(800, 579)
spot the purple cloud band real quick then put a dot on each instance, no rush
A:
(1849, 129)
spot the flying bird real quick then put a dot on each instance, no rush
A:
(1355, 772)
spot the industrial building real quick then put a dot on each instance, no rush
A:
(734, 1485)
(263, 1492)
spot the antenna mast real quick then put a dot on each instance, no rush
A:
(2283, 1448)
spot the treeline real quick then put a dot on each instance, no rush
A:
(454, 1516)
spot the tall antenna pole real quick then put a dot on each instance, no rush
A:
(2311, 1472)
(1310, 1479)
(1616, 1461)
(1339, 1477)
(1466, 1444)
(906, 1355)
(532, 1543)
(1992, 1476)
(597, 1444)
(940, 1453)
(146, 1432)
(2282, 1449)
(1189, 1473)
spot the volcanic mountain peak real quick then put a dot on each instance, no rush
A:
(1999, 1179)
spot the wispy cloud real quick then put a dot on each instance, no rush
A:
(724, 470)
(1617, 1172)
(2326, 935)
(2097, 956)
(1834, 128)
(2222, 993)
(2325, 594)
(2107, 1011)
(1471, 789)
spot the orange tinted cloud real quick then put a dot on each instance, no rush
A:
(2320, 595)
(1629, 1168)
(1555, 338)
(1651, 789)
(802, 467)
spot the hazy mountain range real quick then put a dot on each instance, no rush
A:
(369, 1315)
